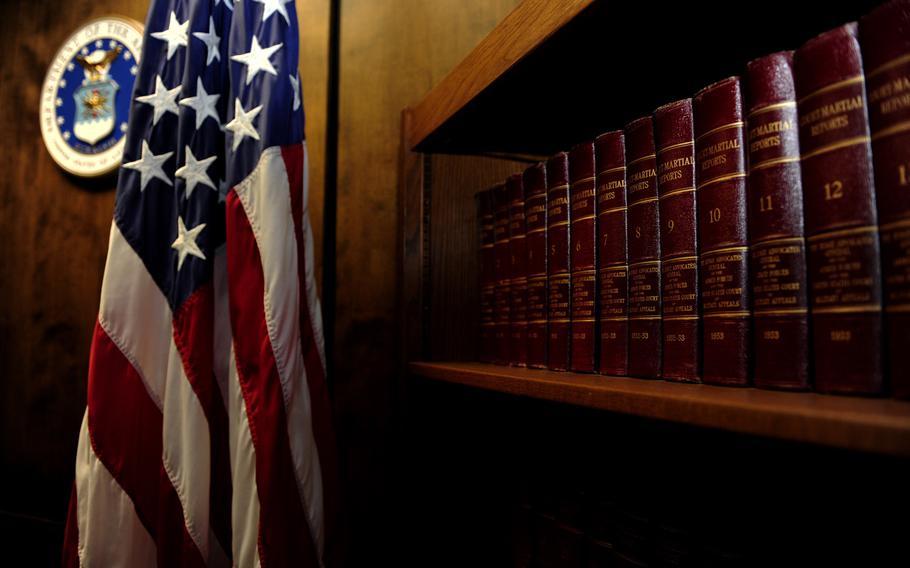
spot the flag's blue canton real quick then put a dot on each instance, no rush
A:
(155, 206)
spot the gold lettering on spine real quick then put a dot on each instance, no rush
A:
(583, 287)
(830, 116)
(835, 120)
(671, 170)
(840, 279)
(722, 274)
(777, 269)
(896, 254)
(892, 96)
(640, 180)
(679, 287)
(713, 149)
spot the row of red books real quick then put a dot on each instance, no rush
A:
(758, 233)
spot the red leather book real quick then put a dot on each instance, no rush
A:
(675, 141)
(644, 250)
(535, 184)
(612, 254)
(559, 279)
(486, 348)
(841, 223)
(518, 312)
(723, 233)
(502, 303)
(583, 257)
(884, 36)
(780, 333)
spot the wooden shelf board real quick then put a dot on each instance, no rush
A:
(524, 29)
(867, 424)
(555, 73)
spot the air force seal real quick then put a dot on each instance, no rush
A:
(85, 99)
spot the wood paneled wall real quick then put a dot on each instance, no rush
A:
(54, 231)
(53, 244)
(392, 53)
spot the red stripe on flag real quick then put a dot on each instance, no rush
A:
(194, 338)
(320, 404)
(284, 535)
(125, 428)
(71, 536)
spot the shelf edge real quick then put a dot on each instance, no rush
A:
(871, 425)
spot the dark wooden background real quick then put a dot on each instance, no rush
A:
(54, 231)
(392, 53)
(53, 234)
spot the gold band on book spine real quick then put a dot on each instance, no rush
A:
(833, 87)
(774, 106)
(721, 128)
(856, 140)
(641, 159)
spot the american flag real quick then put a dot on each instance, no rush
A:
(207, 437)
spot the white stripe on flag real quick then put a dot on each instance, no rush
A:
(110, 533)
(136, 316)
(267, 205)
(245, 505)
(128, 297)
(187, 450)
(309, 261)
(245, 499)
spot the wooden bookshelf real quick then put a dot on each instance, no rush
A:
(867, 424)
(551, 74)
(745, 476)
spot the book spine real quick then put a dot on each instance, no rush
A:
(644, 250)
(612, 255)
(886, 54)
(487, 334)
(841, 222)
(583, 257)
(535, 183)
(502, 302)
(559, 278)
(518, 312)
(675, 141)
(723, 233)
(777, 251)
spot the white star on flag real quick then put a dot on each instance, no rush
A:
(174, 35)
(194, 171)
(211, 41)
(185, 243)
(295, 86)
(257, 59)
(203, 103)
(149, 166)
(269, 7)
(242, 125)
(162, 100)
